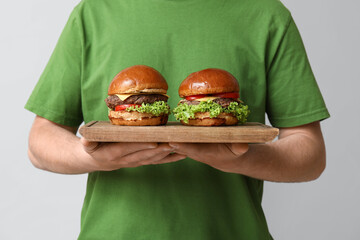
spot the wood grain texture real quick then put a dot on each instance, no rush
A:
(103, 131)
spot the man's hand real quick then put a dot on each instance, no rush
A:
(298, 155)
(56, 148)
(112, 156)
(222, 156)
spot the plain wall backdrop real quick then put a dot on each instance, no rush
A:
(39, 205)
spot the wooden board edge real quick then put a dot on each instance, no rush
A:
(245, 139)
(272, 133)
(82, 128)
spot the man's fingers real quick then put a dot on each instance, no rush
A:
(190, 149)
(121, 149)
(171, 158)
(89, 147)
(128, 148)
(199, 150)
(164, 159)
(238, 148)
(157, 153)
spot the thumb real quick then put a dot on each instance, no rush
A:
(89, 147)
(238, 148)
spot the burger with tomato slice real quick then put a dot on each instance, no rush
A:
(211, 98)
(137, 97)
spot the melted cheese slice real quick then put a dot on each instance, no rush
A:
(123, 97)
(204, 99)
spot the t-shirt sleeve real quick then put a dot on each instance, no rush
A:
(293, 96)
(57, 95)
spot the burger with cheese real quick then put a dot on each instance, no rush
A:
(137, 97)
(211, 98)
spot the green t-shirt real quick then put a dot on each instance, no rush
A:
(255, 40)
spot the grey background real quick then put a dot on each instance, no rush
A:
(39, 205)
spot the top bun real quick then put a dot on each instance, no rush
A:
(138, 79)
(208, 81)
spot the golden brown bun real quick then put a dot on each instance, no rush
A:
(208, 81)
(125, 118)
(203, 119)
(136, 79)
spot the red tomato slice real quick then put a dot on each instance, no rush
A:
(194, 97)
(227, 95)
(125, 106)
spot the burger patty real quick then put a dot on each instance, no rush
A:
(224, 102)
(113, 100)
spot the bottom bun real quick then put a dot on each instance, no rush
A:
(125, 118)
(203, 119)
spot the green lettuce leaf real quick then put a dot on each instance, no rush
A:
(185, 112)
(157, 108)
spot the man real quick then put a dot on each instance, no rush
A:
(142, 190)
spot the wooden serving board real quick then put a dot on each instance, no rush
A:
(102, 131)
